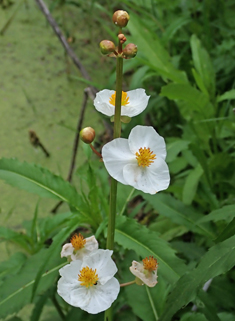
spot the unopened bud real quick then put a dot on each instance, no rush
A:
(87, 135)
(130, 50)
(107, 46)
(122, 38)
(120, 18)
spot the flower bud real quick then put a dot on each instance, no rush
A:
(87, 135)
(122, 38)
(107, 46)
(130, 50)
(120, 18)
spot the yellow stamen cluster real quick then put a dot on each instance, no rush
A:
(78, 241)
(145, 157)
(150, 264)
(88, 277)
(125, 99)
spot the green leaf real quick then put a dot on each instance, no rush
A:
(193, 317)
(197, 103)
(226, 213)
(54, 250)
(37, 311)
(152, 50)
(209, 308)
(191, 184)
(16, 291)
(22, 240)
(225, 316)
(227, 95)
(134, 236)
(219, 259)
(203, 65)
(35, 179)
(149, 302)
(179, 213)
(13, 265)
(174, 148)
(227, 232)
(175, 25)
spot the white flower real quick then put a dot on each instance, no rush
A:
(79, 247)
(89, 283)
(138, 161)
(146, 271)
(133, 102)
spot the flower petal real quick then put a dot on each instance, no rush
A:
(116, 154)
(146, 136)
(70, 271)
(73, 294)
(103, 296)
(148, 278)
(138, 101)
(102, 261)
(91, 243)
(101, 102)
(67, 250)
(150, 179)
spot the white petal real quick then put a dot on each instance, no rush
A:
(138, 101)
(158, 176)
(101, 102)
(101, 261)
(102, 296)
(150, 179)
(91, 243)
(73, 293)
(70, 271)
(146, 136)
(116, 154)
(148, 278)
(67, 250)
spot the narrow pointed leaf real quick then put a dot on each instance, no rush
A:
(36, 179)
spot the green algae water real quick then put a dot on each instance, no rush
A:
(38, 93)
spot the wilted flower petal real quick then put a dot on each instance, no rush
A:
(79, 247)
(146, 271)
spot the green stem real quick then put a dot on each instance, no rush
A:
(113, 191)
(118, 101)
(127, 283)
(112, 214)
(116, 134)
(127, 200)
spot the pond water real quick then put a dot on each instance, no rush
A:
(38, 93)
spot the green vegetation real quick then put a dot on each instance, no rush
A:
(186, 63)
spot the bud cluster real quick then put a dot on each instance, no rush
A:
(107, 47)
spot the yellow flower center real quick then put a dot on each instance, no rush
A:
(145, 157)
(125, 99)
(150, 264)
(88, 277)
(78, 241)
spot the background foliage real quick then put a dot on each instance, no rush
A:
(186, 62)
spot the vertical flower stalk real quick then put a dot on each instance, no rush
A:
(117, 133)
(120, 18)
